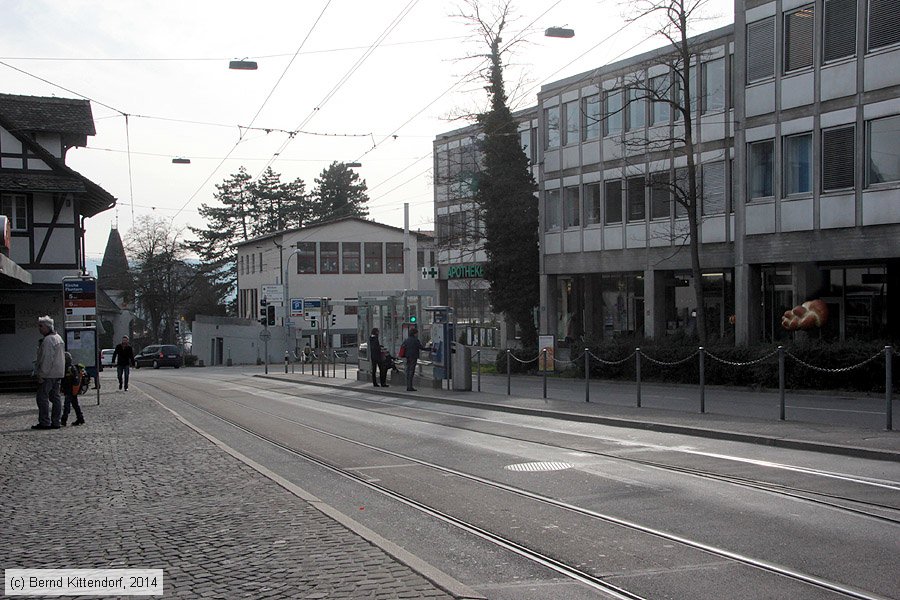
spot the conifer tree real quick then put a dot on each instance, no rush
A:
(339, 193)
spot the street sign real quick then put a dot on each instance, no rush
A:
(312, 307)
(273, 293)
(80, 299)
(265, 335)
(429, 273)
(296, 307)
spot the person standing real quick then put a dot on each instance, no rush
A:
(71, 387)
(123, 357)
(375, 356)
(50, 367)
(411, 348)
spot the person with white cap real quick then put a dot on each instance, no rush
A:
(50, 367)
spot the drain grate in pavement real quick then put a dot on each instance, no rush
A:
(539, 466)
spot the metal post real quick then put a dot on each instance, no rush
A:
(637, 373)
(508, 374)
(285, 362)
(478, 356)
(346, 356)
(544, 362)
(702, 380)
(587, 375)
(266, 350)
(888, 386)
(781, 380)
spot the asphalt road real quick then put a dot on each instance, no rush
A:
(582, 494)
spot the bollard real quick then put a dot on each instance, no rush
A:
(702, 380)
(346, 356)
(781, 380)
(888, 386)
(587, 375)
(285, 362)
(544, 362)
(637, 373)
(508, 374)
(478, 356)
(333, 364)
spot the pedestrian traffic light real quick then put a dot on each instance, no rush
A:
(413, 317)
(270, 317)
(313, 323)
(177, 327)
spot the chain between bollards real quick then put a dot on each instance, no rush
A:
(888, 386)
(587, 375)
(637, 373)
(508, 374)
(702, 379)
(781, 380)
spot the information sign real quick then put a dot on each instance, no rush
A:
(273, 293)
(296, 307)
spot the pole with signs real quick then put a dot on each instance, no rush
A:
(80, 322)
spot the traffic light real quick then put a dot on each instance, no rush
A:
(263, 312)
(270, 321)
(413, 317)
(313, 323)
(333, 319)
(177, 327)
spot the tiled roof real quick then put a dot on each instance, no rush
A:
(30, 181)
(39, 113)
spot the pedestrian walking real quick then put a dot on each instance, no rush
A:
(410, 349)
(71, 385)
(123, 357)
(49, 369)
(375, 356)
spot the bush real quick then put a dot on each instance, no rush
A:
(190, 360)
(764, 373)
(517, 366)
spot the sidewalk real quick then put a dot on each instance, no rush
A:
(817, 437)
(137, 488)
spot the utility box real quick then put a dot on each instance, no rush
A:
(462, 368)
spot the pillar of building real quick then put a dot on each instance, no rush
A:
(654, 304)
(549, 309)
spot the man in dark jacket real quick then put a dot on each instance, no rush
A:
(123, 357)
(411, 349)
(377, 360)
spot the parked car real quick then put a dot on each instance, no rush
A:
(106, 357)
(159, 355)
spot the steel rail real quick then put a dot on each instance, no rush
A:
(576, 573)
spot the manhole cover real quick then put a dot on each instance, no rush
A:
(539, 466)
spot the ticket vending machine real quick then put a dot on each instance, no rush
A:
(443, 331)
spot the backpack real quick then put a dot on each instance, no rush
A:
(76, 379)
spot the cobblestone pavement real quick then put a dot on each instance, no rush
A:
(135, 488)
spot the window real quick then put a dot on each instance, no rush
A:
(241, 265)
(350, 252)
(884, 23)
(7, 319)
(253, 262)
(373, 257)
(636, 109)
(459, 228)
(551, 209)
(682, 189)
(637, 210)
(573, 116)
(351, 309)
(527, 147)
(613, 122)
(591, 125)
(692, 88)
(443, 230)
(328, 258)
(613, 202)
(714, 188)
(306, 259)
(393, 252)
(661, 110)
(761, 169)
(837, 158)
(572, 207)
(15, 206)
(798, 39)
(260, 262)
(592, 202)
(839, 29)
(761, 50)
(660, 195)
(713, 85)
(883, 150)
(798, 164)
(551, 116)
(420, 259)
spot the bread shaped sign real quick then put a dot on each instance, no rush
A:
(809, 315)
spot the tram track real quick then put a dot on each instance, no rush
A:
(505, 542)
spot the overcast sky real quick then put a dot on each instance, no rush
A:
(166, 65)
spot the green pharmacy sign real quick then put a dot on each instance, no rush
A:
(465, 272)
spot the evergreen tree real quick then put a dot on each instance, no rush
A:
(277, 205)
(505, 195)
(339, 193)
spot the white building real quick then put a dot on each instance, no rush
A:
(335, 259)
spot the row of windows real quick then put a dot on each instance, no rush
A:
(799, 32)
(247, 263)
(459, 228)
(633, 107)
(633, 198)
(15, 207)
(838, 159)
(332, 258)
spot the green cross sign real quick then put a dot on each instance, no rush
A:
(429, 273)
